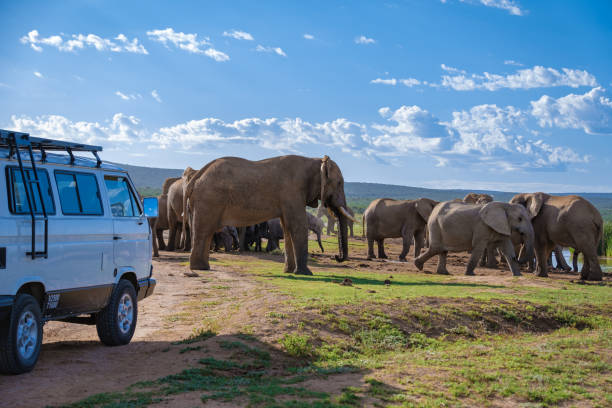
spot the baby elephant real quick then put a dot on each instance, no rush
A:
(457, 226)
(388, 218)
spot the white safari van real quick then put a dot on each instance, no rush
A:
(75, 245)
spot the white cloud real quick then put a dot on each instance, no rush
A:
(410, 82)
(591, 112)
(187, 42)
(536, 77)
(512, 62)
(80, 41)
(128, 97)
(156, 96)
(275, 50)
(511, 6)
(451, 69)
(388, 81)
(38, 74)
(238, 35)
(121, 128)
(309, 36)
(362, 39)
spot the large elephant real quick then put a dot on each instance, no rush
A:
(331, 220)
(175, 213)
(388, 218)
(489, 256)
(457, 226)
(275, 232)
(235, 191)
(569, 221)
(161, 222)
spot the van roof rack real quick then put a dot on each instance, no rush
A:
(18, 140)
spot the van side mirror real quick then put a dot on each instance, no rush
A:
(151, 206)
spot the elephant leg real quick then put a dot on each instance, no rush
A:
(351, 229)
(290, 264)
(419, 238)
(474, 258)
(593, 272)
(575, 260)
(371, 249)
(298, 230)
(406, 241)
(381, 249)
(172, 232)
(561, 263)
(199, 258)
(424, 257)
(187, 242)
(155, 248)
(442, 264)
(160, 239)
(491, 256)
(542, 253)
(507, 250)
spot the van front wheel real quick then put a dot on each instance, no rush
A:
(21, 336)
(117, 321)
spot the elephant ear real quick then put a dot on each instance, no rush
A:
(533, 203)
(324, 176)
(424, 207)
(494, 215)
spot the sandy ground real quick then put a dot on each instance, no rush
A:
(74, 364)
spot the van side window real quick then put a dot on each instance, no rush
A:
(79, 193)
(122, 200)
(18, 201)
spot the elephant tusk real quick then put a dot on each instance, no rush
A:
(347, 215)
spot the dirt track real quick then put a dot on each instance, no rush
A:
(74, 364)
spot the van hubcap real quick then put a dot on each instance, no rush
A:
(125, 313)
(27, 335)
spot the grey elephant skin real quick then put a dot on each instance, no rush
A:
(569, 221)
(239, 192)
(331, 220)
(179, 235)
(457, 226)
(388, 218)
(275, 231)
(161, 222)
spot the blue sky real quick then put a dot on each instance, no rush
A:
(495, 94)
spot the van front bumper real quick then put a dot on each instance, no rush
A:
(6, 305)
(146, 287)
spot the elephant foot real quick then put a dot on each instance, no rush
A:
(470, 273)
(196, 266)
(383, 256)
(402, 259)
(491, 265)
(419, 264)
(162, 247)
(286, 269)
(542, 273)
(303, 271)
(442, 271)
(592, 276)
(369, 258)
(517, 274)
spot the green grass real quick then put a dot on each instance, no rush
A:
(606, 242)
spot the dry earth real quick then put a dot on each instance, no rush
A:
(74, 364)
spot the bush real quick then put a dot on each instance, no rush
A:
(297, 345)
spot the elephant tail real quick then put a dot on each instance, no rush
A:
(363, 227)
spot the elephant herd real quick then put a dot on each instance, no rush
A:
(531, 226)
(234, 202)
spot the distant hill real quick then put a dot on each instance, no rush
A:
(149, 180)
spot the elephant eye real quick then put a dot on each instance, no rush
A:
(520, 219)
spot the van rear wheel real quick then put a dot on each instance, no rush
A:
(21, 336)
(117, 321)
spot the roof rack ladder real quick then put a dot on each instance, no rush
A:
(24, 141)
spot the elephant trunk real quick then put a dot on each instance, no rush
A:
(342, 236)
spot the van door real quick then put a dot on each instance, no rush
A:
(131, 242)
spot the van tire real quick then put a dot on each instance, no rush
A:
(117, 321)
(25, 320)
